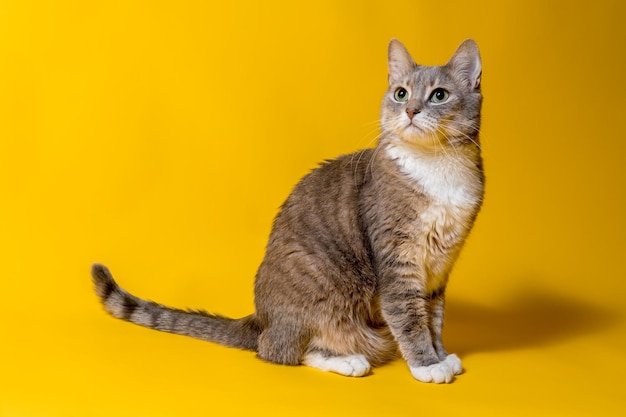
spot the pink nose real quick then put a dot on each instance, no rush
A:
(412, 111)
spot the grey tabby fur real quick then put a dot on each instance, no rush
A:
(358, 259)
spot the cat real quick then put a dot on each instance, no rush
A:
(358, 258)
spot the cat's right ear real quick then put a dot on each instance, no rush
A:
(400, 60)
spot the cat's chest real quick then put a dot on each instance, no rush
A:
(452, 193)
(451, 182)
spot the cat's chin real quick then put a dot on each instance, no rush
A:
(419, 141)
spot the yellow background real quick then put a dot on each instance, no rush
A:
(161, 137)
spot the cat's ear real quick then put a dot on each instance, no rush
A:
(400, 61)
(466, 64)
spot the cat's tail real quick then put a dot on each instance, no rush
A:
(239, 333)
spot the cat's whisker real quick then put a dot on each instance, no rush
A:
(372, 123)
(451, 145)
(355, 171)
(360, 155)
(377, 134)
(462, 134)
(370, 165)
(436, 132)
(375, 129)
(460, 125)
(473, 130)
(471, 126)
(435, 135)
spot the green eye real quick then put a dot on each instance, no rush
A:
(401, 95)
(439, 95)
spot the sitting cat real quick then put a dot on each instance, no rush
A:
(358, 259)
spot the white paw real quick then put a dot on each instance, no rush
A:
(454, 362)
(353, 365)
(438, 373)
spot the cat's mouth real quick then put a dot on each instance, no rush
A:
(414, 126)
(421, 135)
(416, 131)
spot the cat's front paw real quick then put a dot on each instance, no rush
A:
(454, 362)
(438, 373)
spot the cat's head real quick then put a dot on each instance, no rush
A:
(432, 108)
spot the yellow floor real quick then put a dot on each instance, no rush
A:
(160, 138)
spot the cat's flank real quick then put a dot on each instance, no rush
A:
(358, 259)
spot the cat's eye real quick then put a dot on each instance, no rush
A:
(401, 95)
(439, 95)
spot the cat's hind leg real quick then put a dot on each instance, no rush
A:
(283, 343)
(347, 365)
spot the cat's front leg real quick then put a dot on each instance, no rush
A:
(436, 308)
(408, 314)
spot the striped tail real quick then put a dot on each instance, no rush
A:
(238, 333)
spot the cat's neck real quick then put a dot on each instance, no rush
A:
(450, 177)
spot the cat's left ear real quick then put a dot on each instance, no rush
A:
(466, 64)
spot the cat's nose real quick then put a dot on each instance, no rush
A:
(412, 111)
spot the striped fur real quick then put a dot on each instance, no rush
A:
(241, 333)
(358, 259)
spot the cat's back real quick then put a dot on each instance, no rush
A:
(330, 189)
(319, 230)
(331, 207)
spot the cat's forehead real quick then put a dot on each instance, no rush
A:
(427, 76)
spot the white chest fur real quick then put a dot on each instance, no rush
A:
(448, 179)
(452, 183)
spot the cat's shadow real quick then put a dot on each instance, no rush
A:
(532, 318)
